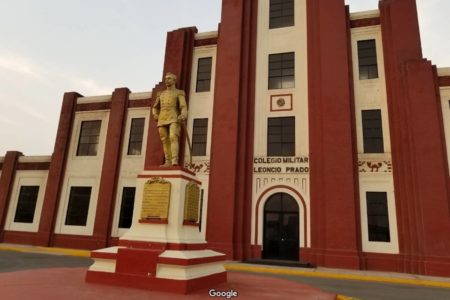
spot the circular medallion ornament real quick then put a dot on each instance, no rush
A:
(281, 102)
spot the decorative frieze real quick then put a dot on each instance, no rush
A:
(299, 182)
(198, 166)
(375, 166)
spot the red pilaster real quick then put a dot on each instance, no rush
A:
(111, 166)
(56, 171)
(334, 232)
(178, 60)
(6, 184)
(354, 138)
(418, 151)
(229, 200)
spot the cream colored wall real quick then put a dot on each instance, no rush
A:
(274, 41)
(445, 102)
(82, 171)
(131, 165)
(26, 178)
(2, 158)
(281, 40)
(371, 94)
(201, 103)
(380, 183)
(201, 107)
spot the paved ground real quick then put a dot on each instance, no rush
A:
(358, 284)
(15, 261)
(372, 290)
(52, 277)
(68, 284)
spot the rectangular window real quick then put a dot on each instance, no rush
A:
(78, 207)
(126, 208)
(26, 204)
(199, 137)
(372, 131)
(204, 74)
(89, 137)
(281, 136)
(136, 136)
(282, 70)
(367, 59)
(281, 13)
(377, 217)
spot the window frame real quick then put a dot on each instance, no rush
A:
(286, 17)
(203, 85)
(203, 143)
(70, 205)
(376, 236)
(369, 69)
(132, 135)
(281, 71)
(82, 135)
(373, 136)
(286, 139)
(124, 206)
(20, 207)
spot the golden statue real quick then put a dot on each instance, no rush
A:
(170, 110)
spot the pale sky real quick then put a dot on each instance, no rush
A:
(48, 47)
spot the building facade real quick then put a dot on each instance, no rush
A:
(319, 136)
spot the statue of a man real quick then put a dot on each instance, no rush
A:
(170, 110)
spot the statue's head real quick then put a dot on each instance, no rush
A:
(170, 79)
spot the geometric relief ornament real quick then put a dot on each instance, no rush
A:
(155, 199)
(299, 183)
(281, 102)
(198, 166)
(370, 166)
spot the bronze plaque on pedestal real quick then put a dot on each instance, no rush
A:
(155, 200)
(191, 202)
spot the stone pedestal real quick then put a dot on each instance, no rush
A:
(164, 252)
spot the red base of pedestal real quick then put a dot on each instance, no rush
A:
(156, 268)
(166, 255)
(156, 284)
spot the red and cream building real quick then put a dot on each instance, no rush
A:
(319, 135)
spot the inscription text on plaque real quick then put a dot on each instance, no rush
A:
(191, 202)
(155, 201)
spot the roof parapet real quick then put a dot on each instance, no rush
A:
(35, 158)
(365, 14)
(206, 35)
(94, 99)
(140, 96)
(443, 72)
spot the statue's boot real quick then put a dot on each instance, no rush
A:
(167, 163)
(167, 152)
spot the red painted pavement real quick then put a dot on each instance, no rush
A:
(68, 284)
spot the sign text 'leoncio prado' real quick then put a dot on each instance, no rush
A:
(281, 165)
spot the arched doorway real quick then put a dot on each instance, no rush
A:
(281, 223)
